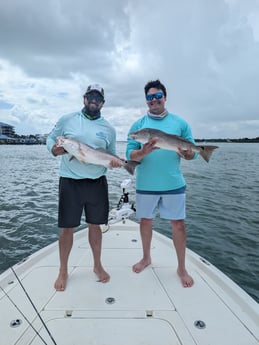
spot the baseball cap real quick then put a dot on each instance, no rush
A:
(95, 87)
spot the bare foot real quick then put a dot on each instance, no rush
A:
(60, 283)
(141, 265)
(186, 279)
(102, 275)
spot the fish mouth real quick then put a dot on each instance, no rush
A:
(59, 141)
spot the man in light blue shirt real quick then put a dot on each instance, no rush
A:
(83, 187)
(160, 183)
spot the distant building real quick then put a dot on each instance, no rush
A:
(6, 131)
(8, 136)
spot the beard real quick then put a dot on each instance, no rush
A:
(92, 113)
(92, 110)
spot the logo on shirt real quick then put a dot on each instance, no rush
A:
(101, 135)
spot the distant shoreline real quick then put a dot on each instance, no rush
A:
(241, 140)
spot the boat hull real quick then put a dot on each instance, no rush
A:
(148, 308)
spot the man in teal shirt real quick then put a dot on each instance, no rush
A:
(83, 186)
(159, 181)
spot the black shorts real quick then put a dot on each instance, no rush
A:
(90, 195)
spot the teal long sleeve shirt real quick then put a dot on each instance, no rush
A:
(160, 171)
(96, 133)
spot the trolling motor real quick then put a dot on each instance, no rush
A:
(124, 199)
(124, 208)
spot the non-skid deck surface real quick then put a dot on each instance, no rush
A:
(147, 308)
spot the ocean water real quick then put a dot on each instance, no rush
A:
(222, 206)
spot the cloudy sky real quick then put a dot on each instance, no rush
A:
(206, 52)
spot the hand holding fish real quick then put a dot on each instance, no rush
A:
(186, 154)
(150, 146)
(115, 163)
(58, 150)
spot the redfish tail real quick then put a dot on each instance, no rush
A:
(130, 166)
(206, 152)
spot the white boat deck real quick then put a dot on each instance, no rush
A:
(148, 308)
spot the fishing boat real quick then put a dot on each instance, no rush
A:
(148, 308)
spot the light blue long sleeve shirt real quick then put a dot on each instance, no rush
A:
(160, 171)
(96, 133)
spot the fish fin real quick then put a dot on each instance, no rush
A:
(81, 153)
(206, 152)
(130, 166)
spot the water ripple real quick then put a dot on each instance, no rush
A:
(222, 206)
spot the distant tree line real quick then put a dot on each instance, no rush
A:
(30, 139)
(240, 140)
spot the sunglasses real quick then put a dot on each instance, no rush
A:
(94, 96)
(151, 96)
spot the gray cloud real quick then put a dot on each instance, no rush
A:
(57, 38)
(205, 51)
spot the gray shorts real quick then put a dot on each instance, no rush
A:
(169, 206)
(76, 196)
